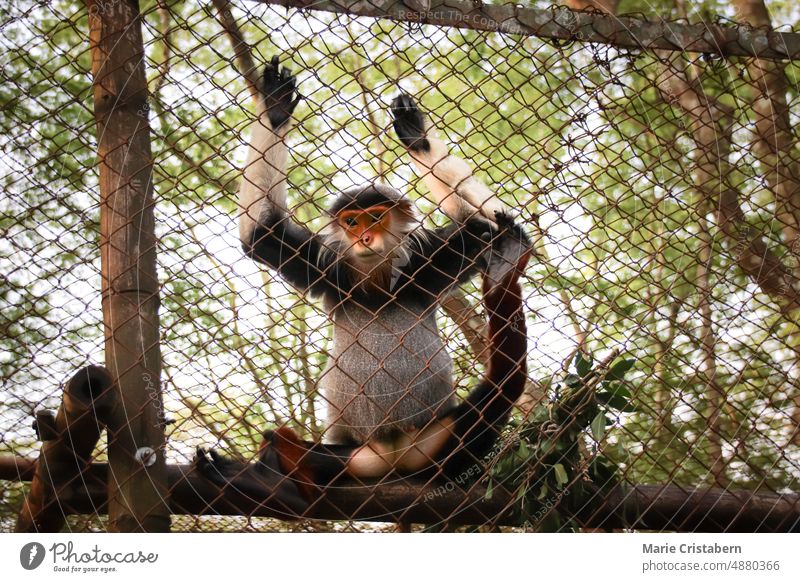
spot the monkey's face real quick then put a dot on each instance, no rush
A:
(369, 233)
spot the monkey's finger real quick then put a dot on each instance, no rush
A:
(286, 83)
(507, 261)
(400, 102)
(394, 104)
(291, 84)
(202, 463)
(200, 455)
(407, 102)
(270, 75)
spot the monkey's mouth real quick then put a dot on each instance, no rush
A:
(367, 255)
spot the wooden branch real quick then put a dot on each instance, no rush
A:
(753, 255)
(773, 145)
(711, 130)
(87, 401)
(169, 48)
(774, 139)
(561, 23)
(609, 6)
(686, 509)
(647, 507)
(242, 50)
(713, 393)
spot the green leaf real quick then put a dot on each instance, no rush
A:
(561, 474)
(617, 397)
(615, 402)
(616, 389)
(523, 452)
(582, 365)
(489, 490)
(543, 492)
(599, 426)
(540, 415)
(618, 370)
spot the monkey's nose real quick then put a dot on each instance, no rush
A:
(366, 239)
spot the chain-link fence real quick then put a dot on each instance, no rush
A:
(660, 188)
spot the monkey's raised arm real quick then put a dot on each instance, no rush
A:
(456, 190)
(267, 232)
(262, 193)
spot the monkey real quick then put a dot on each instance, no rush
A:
(289, 474)
(381, 274)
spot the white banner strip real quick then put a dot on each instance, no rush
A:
(390, 557)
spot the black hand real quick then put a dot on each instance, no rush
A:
(280, 93)
(409, 123)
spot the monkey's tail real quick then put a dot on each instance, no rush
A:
(479, 419)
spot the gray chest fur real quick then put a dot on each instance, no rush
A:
(386, 373)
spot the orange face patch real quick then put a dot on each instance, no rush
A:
(365, 224)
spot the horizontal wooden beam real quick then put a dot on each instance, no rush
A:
(561, 23)
(643, 507)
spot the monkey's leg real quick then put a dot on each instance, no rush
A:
(308, 465)
(288, 474)
(262, 481)
(312, 465)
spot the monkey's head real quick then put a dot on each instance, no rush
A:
(370, 223)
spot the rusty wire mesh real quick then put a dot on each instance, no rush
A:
(661, 189)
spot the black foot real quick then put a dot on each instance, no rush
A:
(409, 123)
(280, 93)
(261, 481)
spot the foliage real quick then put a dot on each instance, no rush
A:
(553, 460)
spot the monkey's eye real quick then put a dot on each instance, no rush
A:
(351, 222)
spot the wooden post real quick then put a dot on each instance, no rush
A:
(137, 484)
